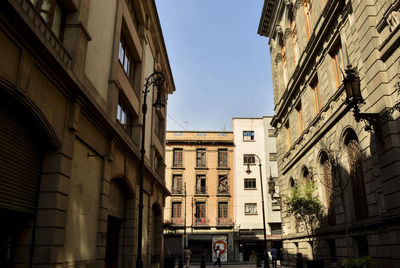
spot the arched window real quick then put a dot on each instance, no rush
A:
(356, 175)
(292, 183)
(328, 183)
(307, 16)
(306, 174)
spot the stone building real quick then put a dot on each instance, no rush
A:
(255, 136)
(311, 45)
(199, 174)
(71, 90)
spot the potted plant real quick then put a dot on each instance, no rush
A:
(307, 209)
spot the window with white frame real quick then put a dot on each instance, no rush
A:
(250, 208)
(248, 135)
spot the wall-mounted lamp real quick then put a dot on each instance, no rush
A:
(354, 100)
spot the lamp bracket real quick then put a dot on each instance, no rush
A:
(372, 121)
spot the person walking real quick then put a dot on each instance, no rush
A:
(274, 255)
(218, 255)
(187, 253)
(280, 256)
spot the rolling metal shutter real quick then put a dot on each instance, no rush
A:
(116, 201)
(20, 164)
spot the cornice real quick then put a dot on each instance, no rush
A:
(200, 142)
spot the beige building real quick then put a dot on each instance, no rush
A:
(311, 44)
(71, 92)
(199, 174)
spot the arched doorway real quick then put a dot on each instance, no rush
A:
(22, 148)
(356, 174)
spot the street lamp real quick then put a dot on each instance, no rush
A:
(248, 171)
(354, 100)
(155, 79)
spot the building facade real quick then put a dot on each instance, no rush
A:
(71, 91)
(354, 167)
(199, 175)
(255, 136)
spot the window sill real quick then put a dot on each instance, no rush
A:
(250, 214)
(177, 168)
(201, 168)
(249, 141)
(223, 168)
(251, 189)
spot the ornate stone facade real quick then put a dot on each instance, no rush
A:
(313, 122)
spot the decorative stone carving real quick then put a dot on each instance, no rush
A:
(287, 33)
(278, 30)
(278, 58)
(393, 20)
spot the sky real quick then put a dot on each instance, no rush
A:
(221, 66)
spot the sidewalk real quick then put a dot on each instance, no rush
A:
(231, 265)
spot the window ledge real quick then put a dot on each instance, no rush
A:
(200, 168)
(223, 168)
(177, 168)
(251, 189)
(250, 214)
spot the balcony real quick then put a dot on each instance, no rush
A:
(223, 190)
(224, 222)
(178, 221)
(200, 222)
(200, 190)
(177, 190)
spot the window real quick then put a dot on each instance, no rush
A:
(222, 134)
(177, 157)
(276, 228)
(248, 135)
(222, 209)
(178, 134)
(201, 187)
(273, 157)
(316, 95)
(249, 159)
(299, 116)
(201, 134)
(126, 59)
(121, 115)
(176, 210)
(200, 213)
(223, 187)
(177, 184)
(307, 15)
(293, 34)
(201, 158)
(159, 164)
(287, 128)
(271, 133)
(51, 12)
(159, 126)
(250, 208)
(222, 157)
(338, 63)
(283, 59)
(250, 183)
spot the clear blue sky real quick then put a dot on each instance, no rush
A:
(221, 66)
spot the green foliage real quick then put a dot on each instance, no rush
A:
(169, 226)
(305, 207)
(364, 262)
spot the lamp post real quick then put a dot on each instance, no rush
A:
(156, 79)
(248, 171)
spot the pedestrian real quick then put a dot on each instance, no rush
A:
(280, 256)
(218, 255)
(187, 254)
(274, 255)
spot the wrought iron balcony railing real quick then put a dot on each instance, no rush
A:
(200, 190)
(223, 190)
(200, 221)
(177, 190)
(177, 221)
(224, 222)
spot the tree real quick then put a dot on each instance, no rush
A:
(306, 208)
